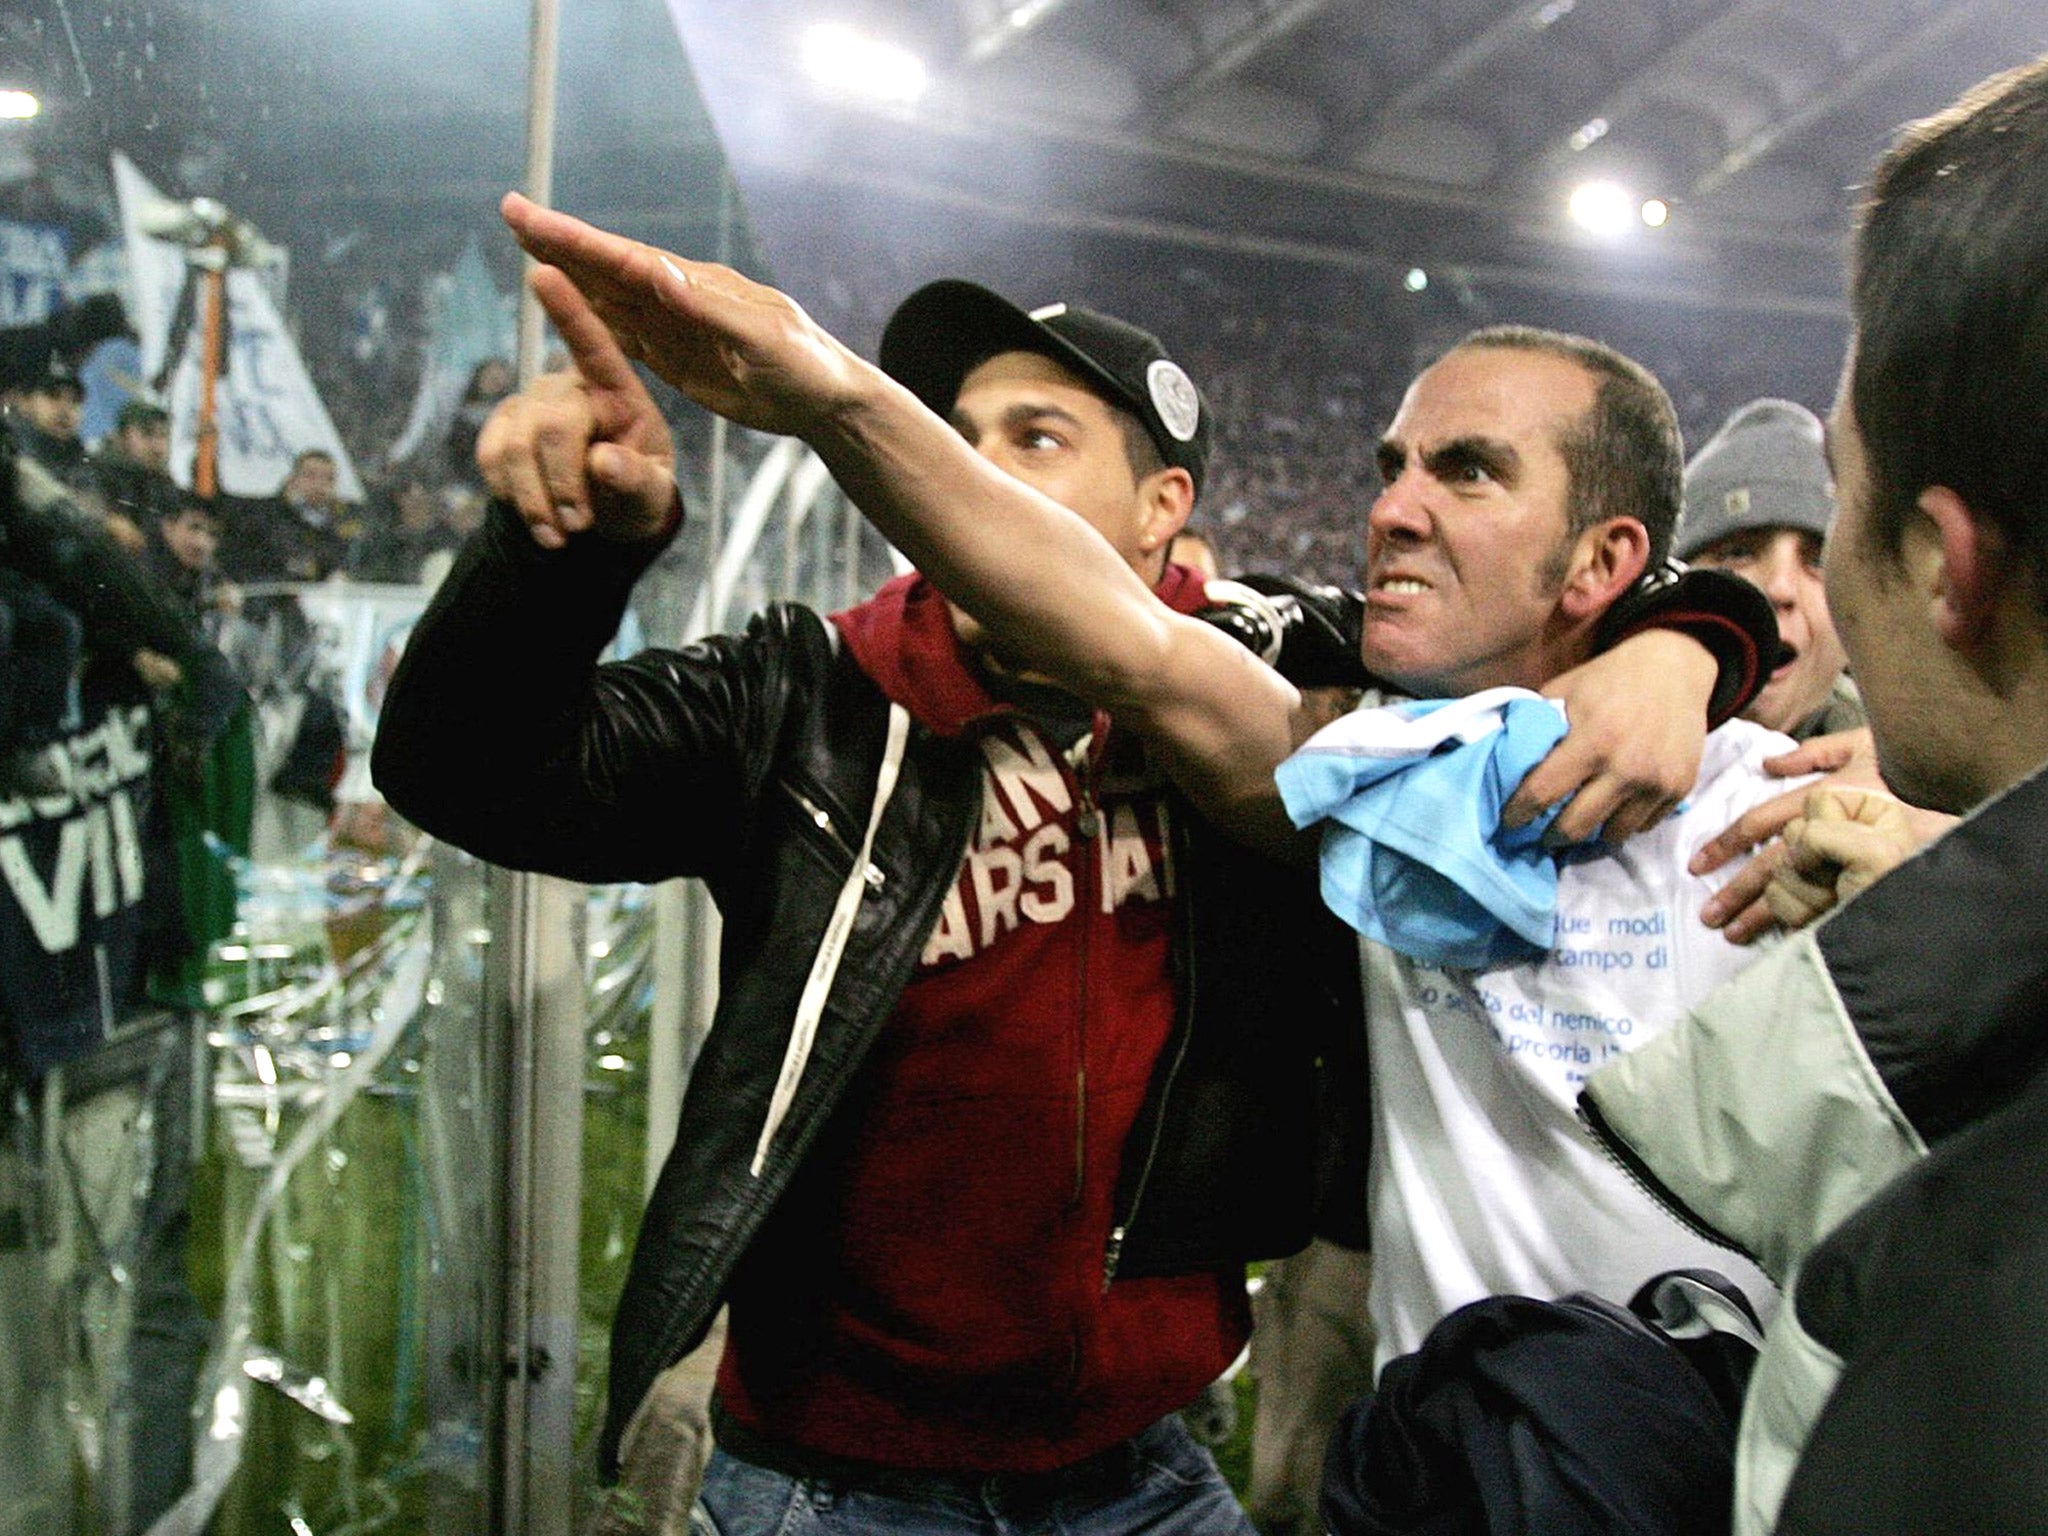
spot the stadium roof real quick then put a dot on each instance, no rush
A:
(1366, 132)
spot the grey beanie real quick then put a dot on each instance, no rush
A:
(1765, 468)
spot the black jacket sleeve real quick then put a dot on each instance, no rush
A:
(502, 734)
(1729, 616)
(1311, 632)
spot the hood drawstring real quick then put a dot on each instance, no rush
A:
(825, 964)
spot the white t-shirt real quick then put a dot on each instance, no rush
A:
(1483, 1181)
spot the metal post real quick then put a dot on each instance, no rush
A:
(665, 1022)
(545, 1215)
(542, 977)
(543, 53)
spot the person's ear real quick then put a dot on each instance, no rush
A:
(1606, 560)
(1167, 497)
(1960, 561)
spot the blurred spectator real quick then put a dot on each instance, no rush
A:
(131, 472)
(303, 533)
(491, 382)
(1758, 501)
(141, 437)
(461, 511)
(129, 622)
(42, 392)
(207, 786)
(184, 555)
(409, 531)
(45, 404)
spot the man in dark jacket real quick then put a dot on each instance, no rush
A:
(303, 533)
(45, 404)
(1891, 1158)
(978, 1169)
(132, 468)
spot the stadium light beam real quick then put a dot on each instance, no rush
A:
(1416, 280)
(842, 58)
(19, 106)
(1656, 212)
(1602, 208)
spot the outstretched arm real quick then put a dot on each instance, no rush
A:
(1051, 592)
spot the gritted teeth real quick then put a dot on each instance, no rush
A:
(1400, 584)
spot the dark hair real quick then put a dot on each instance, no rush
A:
(1625, 457)
(1949, 385)
(1139, 447)
(137, 412)
(188, 505)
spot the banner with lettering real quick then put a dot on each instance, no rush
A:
(71, 894)
(267, 407)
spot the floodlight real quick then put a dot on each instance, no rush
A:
(1416, 280)
(846, 59)
(1655, 212)
(1024, 16)
(1602, 207)
(19, 105)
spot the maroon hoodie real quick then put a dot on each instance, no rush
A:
(934, 1295)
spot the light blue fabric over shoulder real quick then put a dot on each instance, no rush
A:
(1414, 855)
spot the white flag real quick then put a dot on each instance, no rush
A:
(266, 407)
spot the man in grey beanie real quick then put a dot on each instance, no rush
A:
(1758, 501)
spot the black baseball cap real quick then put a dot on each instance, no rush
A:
(945, 330)
(54, 376)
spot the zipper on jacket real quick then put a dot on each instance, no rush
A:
(1088, 823)
(1623, 1156)
(1113, 1254)
(821, 818)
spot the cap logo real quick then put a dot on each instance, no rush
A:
(1048, 312)
(1736, 502)
(1174, 398)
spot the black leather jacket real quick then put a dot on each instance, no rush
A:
(498, 735)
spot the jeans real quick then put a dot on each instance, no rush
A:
(1173, 1489)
